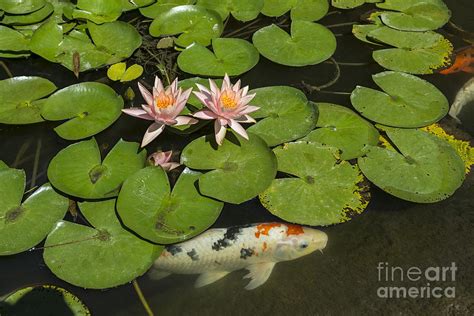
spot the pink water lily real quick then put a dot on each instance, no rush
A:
(228, 106)
(163, 159)
(163, 107)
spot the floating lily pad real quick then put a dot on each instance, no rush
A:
(43, 300)
(407, 101)
(24, 225)
(350, 4)
(342, 128)
(160, 6)
(323, 189)
(285, 114)
(240, 169)
(98, 11)
(98, 257)
(21, 7)
(31, 18)
(118, 38)
(306, 10)
(415, 52)
(361, 32)
(415, 15)
(193, 23)
(147, 206)
(46, 40)
(425, 169)
(231, 56)
(128, 5)
(21, 96)
(309, 44)
(120, 72)
(12, 41)
(90, 107)
(78, 170)
(242, 10)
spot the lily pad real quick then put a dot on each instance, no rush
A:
(407, 101)
(350, 4)
(24, 225)
(423, 169)
(98, 11)
(43, 300)
(231, 56)
(12, 41)
(285, 114)
(239, 169)
(242, 10)
(120, 72)
(147, 206)
(128, 5)
(21, 7)
(118, 38)
(415, 52)
(305, 10)
(195, 24)
(21, 96)
(103, 256)
(78, 170)
(309, 44)
(160, 6)
(46, 40)
(340, 127)
(323, 189)
(415, 15)
(90, 107)
(31, 18)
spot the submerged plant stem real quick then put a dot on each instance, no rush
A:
(20, 154)
(6, 69)
(142, 298)
(34, 175)
(337, 75)
(341, 24)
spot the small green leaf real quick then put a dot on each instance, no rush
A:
(116, 71)
(133, 72)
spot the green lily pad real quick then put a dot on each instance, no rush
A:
(24, 225)
(195, 24)
(414, 52)
(12, 41)
(147, 206)
(309, 44)
(78, 170)
(103, 256)
(242, 10)
(128, 5)
(31, 18)
(121, 72)
(231, 56)
(239, 169)
(285, 114)
(361, 32)
(160, 6)
(407, 101)
(118, 38)
(350, 4)
(46, 40)
(43, 300)
(341, 128)
(98, 11)
(305, 10)
(415, 15)
(21, 7)
(90, 107)
(21, 99)
(425, 169)
(322, 190)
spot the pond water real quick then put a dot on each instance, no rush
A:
(343, 280)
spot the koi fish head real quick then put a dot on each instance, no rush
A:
(293, 246)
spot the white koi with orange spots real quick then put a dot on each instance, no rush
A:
(257, 248)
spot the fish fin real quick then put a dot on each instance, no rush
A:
(259, 274)
(156, 274)
(207, 278)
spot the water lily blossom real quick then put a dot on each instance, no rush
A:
(163, 159)
(228, 106)
(163, 107)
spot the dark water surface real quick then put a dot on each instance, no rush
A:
(343, 280)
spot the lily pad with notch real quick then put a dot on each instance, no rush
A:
(12, 40)
(230, 56)
(98, 11)
(90, 107)
(22, 99)
(147, 206)
(78, 170)
(238, 170)
(24, 225)
(98, 257)
(341, 128)
(285, 114)
(305, 10)
(407, 101)
(160, 6)
(320, 189)
(423, 168)
(309, 44)
(242, 10)
(30, 18)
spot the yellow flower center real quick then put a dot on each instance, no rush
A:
(163, 101)
(228, 100)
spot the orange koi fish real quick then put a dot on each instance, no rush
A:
(464, 62)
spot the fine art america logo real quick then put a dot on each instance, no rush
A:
(415, 282)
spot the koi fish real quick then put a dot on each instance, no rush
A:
(464, 62)
(256, 247)
(464, 97)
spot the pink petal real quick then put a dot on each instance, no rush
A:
(249, 109)
(158, 84)
(236, 86)
(138, 113)
(205, 115)
(170, 166)
(246, 99)
(245, 119)
(238, 129)
(213, 86)
(152, 132)
(203, 89)
(185, 120)
(226, 84)
(220, 131)
(149, 110)
(147, 96)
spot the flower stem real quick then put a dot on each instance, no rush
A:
(6, 69)
(142, 298)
